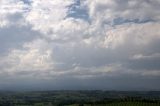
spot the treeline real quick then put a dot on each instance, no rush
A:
(125, 100)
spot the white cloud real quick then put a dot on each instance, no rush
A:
(107, 10)
(9, 9)
(69, 29)
(46, 15)
(141, 56)
(35, 57)
(132, 35)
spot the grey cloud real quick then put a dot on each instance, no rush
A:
(114, 48)
(144, 64)
(16, 36)
(106, 83)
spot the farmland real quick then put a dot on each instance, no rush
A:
(80, 98)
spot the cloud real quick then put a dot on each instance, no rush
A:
(15, 36)
(34, 58)
(107, 11)
(11, 12)
(43, 40)
(45, 15)
(132, 34)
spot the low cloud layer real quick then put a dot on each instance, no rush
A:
(80, 44)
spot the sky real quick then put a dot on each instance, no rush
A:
(79, 44)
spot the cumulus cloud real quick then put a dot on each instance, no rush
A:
(115, 41)
(34, 58)
(46, 15)
(108, 11)
(11, 11)
(132, 34)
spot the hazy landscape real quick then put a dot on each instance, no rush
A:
(80, 98)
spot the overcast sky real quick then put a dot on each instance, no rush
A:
(80, 44)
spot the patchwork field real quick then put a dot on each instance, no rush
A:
(80, 98)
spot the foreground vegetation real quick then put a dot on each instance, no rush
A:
(121, 104)
(80, 98)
